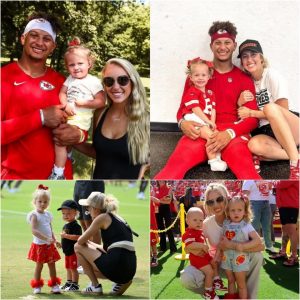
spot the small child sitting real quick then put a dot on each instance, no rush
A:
(200, 105)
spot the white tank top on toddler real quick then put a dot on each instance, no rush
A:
(43, 225)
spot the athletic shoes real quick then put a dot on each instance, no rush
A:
(37, 290)
(294, 172)
(154, 261)
(217, 164)
(210, 295)
(73, 287)
(54, 176)
(96, 290)
(256, 162)
(66, 285)
(119, 289)
(55, 289)
(271, 250)
(218, 285)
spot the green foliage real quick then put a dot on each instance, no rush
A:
(108, 28)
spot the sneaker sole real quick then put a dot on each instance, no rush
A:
(92, 293)
(122, 290)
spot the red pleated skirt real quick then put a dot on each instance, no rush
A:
(43, 253)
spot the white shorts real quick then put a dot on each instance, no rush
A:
(195, 118)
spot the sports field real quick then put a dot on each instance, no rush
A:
(275, 281)
(16, 237)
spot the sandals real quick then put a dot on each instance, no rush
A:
(291, 261)
(279, 256)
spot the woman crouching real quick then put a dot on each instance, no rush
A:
(115, 259)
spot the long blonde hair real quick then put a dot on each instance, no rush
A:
(138, 112)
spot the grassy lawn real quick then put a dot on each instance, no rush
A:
(16, 237)
(275, 282)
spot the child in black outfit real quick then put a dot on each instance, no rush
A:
(69, 236)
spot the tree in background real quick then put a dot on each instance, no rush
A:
(108, 28)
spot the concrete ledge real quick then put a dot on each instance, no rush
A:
(163, 143)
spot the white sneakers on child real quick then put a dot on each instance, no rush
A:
(37, 290)
(217, 164)
(55, 289)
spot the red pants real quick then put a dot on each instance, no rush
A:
(189, 153)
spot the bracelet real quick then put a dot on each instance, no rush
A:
(231, 133)
(42, 117)
(82, 136)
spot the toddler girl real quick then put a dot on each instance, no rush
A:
(199, 105)
(82, 93)
(237, 228)
(43, 248)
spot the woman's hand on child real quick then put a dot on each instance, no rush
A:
(80, 102)
(245, 97)
(244, 112)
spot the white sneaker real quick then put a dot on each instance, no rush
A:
(80, 270)
(55, 289)
(119, 289)
(271, 249)
(141, 196)
(37, 290)
(97, 290)
(217, 164)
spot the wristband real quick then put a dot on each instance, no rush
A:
(231, 133)
(42, 117)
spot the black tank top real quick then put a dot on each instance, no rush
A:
(116, 232)
(112, 156)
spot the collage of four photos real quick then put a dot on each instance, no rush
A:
(150, 149)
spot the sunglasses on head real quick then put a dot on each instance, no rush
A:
(220, 199)
(122, 80)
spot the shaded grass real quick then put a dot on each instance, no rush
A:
(275, 281)
(16, 270)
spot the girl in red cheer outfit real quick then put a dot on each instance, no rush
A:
(199, 106)
(43, 248)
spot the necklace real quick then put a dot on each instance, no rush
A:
(33, 75)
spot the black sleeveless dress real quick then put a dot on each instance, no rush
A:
(112, 156)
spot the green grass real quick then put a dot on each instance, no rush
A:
(16, 237)
(275, 281)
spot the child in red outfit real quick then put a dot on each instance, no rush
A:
(199, 105)
(194, 234)
(43, 248)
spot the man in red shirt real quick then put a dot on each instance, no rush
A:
(228, 83)
(31, 107)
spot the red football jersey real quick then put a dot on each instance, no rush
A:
(227, 88)
(28, 146)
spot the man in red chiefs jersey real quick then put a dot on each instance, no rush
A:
(228, 83)
(31, 107)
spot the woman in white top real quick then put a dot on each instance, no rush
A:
(278, 134)
(216, 197)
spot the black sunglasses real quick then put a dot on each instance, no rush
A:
(220, 199)
(122, 80)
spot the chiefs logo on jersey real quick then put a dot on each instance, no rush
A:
(46, 86)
